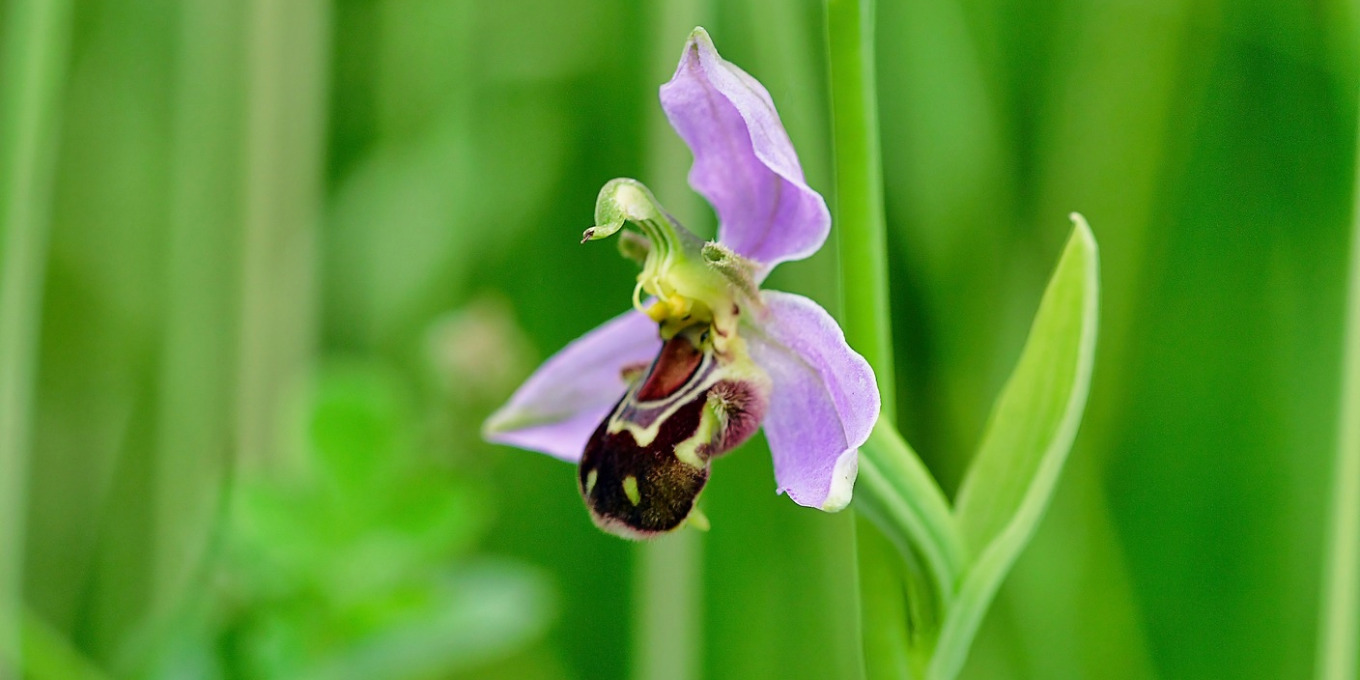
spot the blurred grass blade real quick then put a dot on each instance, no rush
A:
(1339, 627)
(668, 586)
(286, 90)
(195, 417)
(48, 655)
(35, 37)
(899, 494)
(1031, 429)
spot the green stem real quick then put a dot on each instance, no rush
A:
(860, 223)
(900, 496)
(667, 575)
(35, 36)
(899, 487)
(885, 611)
(862, 244)
(1340, 611)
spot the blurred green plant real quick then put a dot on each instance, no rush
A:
(360, 566)
(33, 58)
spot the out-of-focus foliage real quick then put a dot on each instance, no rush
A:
(299, 249)
(360, 569)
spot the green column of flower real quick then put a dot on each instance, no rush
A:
(34, 53)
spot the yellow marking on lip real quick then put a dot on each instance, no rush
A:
(630, 489)
(710, 424)
(590, 480)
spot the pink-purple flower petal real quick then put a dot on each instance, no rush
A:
(560, 405)
(744, 163)
(823, 404)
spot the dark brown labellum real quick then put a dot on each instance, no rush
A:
(645, 465)
(663, 488)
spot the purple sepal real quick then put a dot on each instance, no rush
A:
(744, 163)
(823, 402)
(562, 403)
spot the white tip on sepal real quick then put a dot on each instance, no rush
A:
(842, 482)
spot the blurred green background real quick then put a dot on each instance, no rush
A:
(269, 264)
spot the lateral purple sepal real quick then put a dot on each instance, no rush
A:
(823, 403)
(562, 403)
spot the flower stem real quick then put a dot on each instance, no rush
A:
(1339, 627)
(860, 223)
(35, 38)
(900, 487)
(862, 250)
(667, 578)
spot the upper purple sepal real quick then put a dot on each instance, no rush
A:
(744, 162)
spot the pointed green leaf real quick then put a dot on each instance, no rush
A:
(1030, 431)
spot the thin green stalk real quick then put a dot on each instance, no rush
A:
(860, 222)
(917, 504)
(830, 641)
(35, 39)
(862, 243)
(884, 608)
(668, 572)
(668, 581)
(1339, 627)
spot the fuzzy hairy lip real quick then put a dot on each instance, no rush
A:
(664, 488)
(646, 463)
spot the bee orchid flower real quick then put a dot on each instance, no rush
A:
(645, 402)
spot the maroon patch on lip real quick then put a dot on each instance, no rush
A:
(744, 404)
(674, 366)
(667, 487)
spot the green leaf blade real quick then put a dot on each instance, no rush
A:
(1028, 436)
